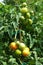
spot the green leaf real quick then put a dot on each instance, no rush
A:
(38, 63)
(31, 41)
(41, 60)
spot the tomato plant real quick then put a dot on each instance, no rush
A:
(21, 32)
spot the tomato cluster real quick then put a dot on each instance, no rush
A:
(19, 48)
(26, 15)
(25, 18)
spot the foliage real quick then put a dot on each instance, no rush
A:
(13, 28)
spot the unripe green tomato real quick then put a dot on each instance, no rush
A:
(24, 10)
(32, 12)
(22, 17)
(28, 15)
(18, 52)
(18, 42)
(22, 46)
(24, 4)
(30, 21)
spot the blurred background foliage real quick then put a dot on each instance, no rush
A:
(31, 35)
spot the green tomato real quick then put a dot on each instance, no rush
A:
(28, 15)
(30, 21)
(32, 12)
(24, 4)
(22, 18)
(18, 42)
(26, 52)
(18, 52)
(24, 10)
(22, 46)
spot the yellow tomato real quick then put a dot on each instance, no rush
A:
(27, 48)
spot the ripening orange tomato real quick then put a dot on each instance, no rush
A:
(25, 52)
(13, 46)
